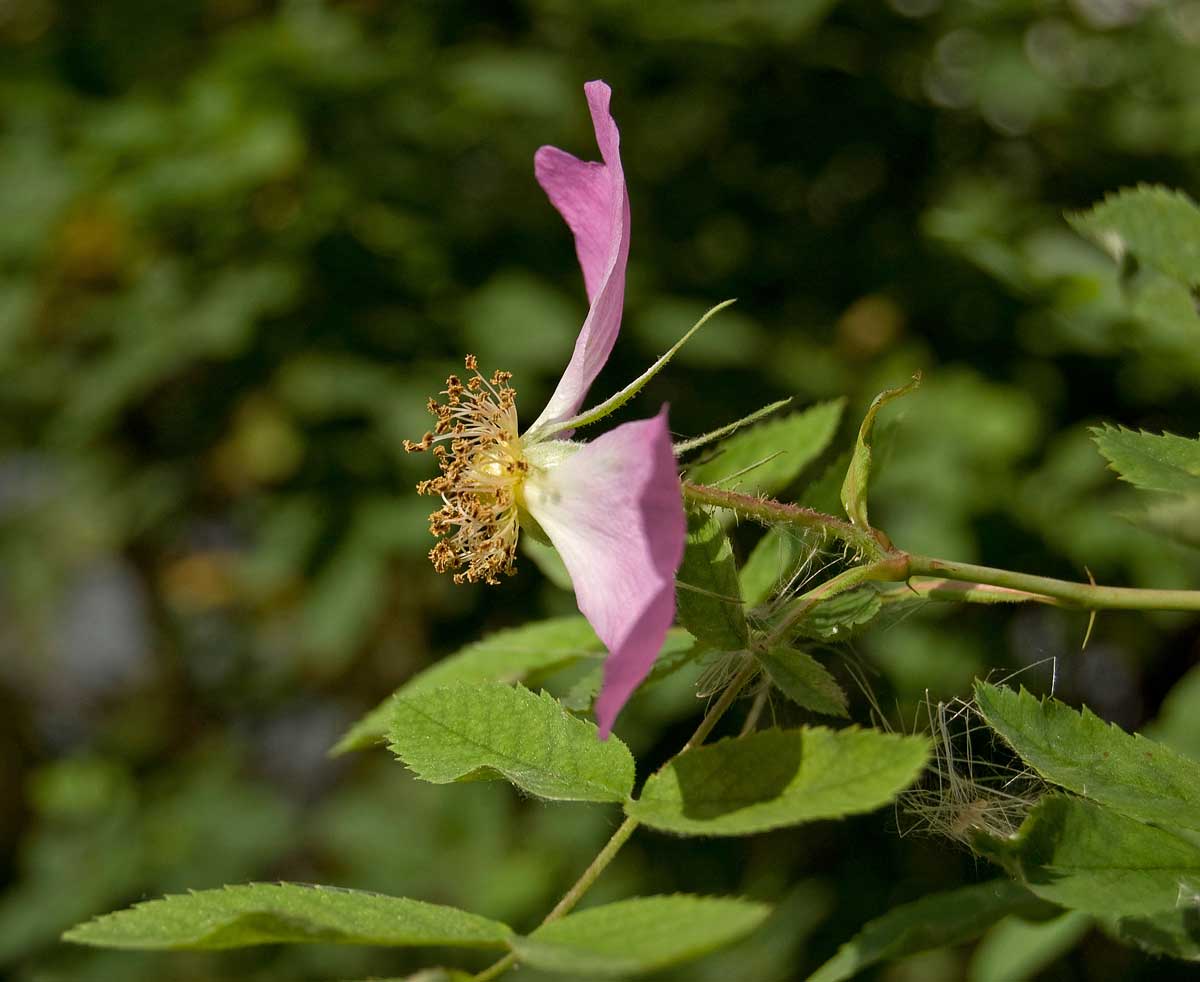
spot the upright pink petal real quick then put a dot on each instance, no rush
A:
(615, 513)
(591, 198)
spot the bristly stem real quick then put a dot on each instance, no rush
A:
(772, 512)
(884, 562)
(613, 846)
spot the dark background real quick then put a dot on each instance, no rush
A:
(242, 242)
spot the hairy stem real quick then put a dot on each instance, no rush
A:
(613, 846)
(773, 512)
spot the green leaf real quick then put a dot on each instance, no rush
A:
(769, 456)
(1171, 932)
(1080, 752)
(1017, 950)
(858, 474)
(709, 597)
(773, 562)
(287, 913)
(506, 656)
(940, 919)
(1160, 227)
(1178, 722)
(804, 680)
(778, 777)
(639, 935)
(838, 617)
(1084, 856)
(679, 649)
(468, 732)
(1151, 461)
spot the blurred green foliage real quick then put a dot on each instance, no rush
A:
(242, 242)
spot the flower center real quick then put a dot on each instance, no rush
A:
(483, 469)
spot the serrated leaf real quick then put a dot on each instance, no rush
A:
(804, 680)
(639, 935)
(1016, 950)
(510, 655)
(1081, 752)
(709, 598)
(679, 649)
(858, 474)
(1160, 227)
(1154, 462)
(775, 778)
(467, 732)
(772, 564)
(838, 617)
(1081, 855)
(940, 919)
(771, 455)
(287, 913)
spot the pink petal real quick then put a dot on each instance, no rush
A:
(615, 513)
(591, 198)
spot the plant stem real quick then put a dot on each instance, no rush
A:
(778, 513)
(1087, 596)
(613, 846)
(963, 592)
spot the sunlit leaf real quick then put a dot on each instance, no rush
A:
(483, 731)
(1084, 856)
(1155, 462)
(778, 777)
(287, 913)
(771, 455)
(506, 656)
(1081, 752)
(639, 935)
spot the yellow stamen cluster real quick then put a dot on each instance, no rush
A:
(482, 473)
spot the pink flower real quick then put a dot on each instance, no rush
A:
(612, 507)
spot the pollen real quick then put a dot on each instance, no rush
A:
(475, 442)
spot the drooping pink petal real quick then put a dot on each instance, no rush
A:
(592, 199)
(615, 513)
